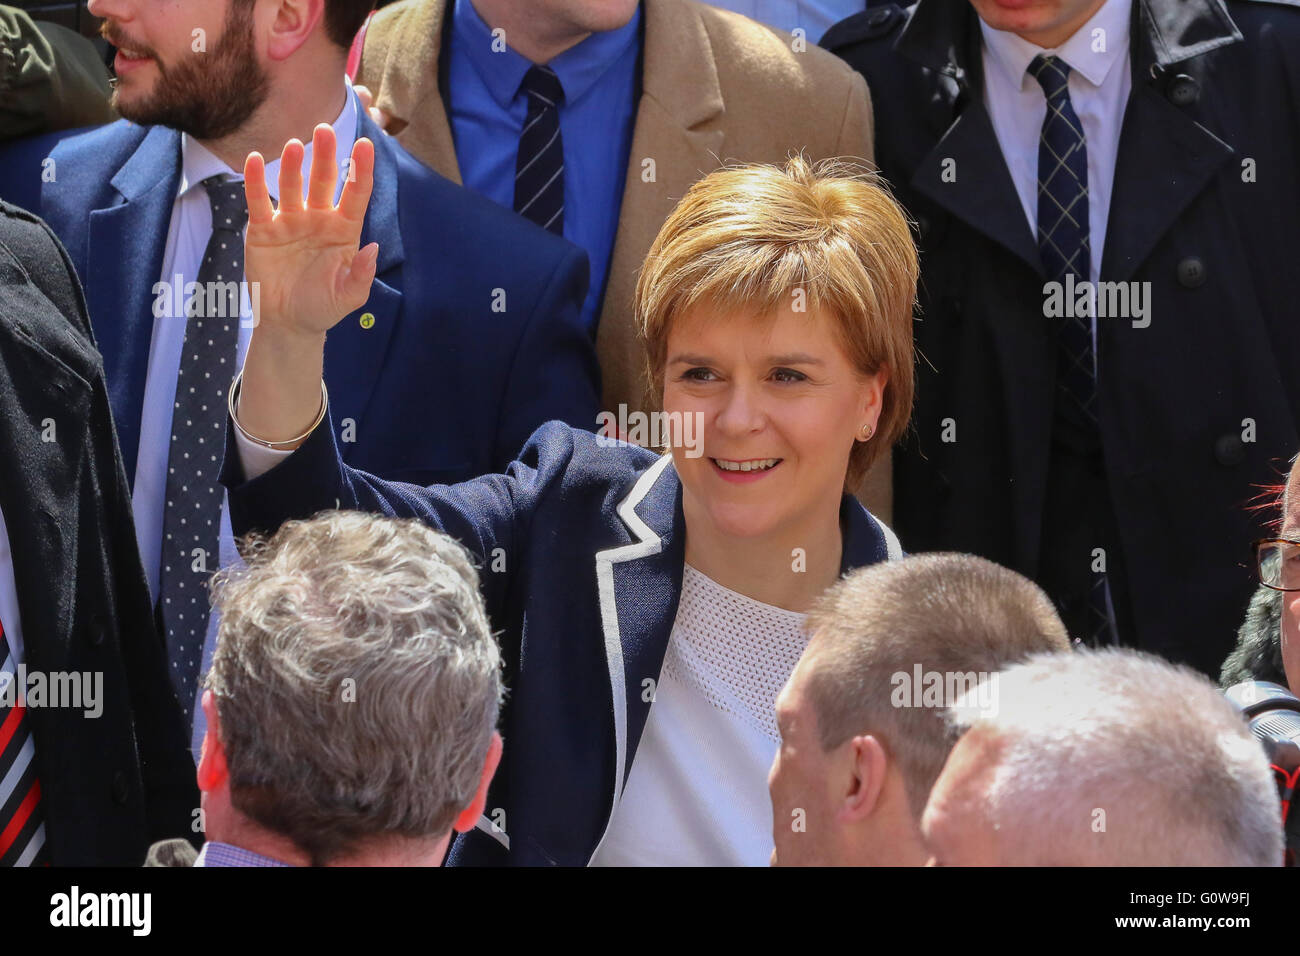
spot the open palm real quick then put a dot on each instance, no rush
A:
(303, 258)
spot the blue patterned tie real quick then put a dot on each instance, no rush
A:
(539, 168)
(192, 511)
(1063, 245)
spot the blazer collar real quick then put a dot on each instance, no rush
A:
(134, 232)
(382, 224)
(647, 572)
(938, 33)
(867, 539)
(410, 86)
(640, 583)
(156, 162)
(679, 72)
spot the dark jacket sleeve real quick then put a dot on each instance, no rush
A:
(162, 741)
(491, 515)
(51, 78)
(554, 374)
(160, 736)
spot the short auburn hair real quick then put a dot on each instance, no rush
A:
(752, 236)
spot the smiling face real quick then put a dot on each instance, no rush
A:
(191, 66)
(781, 407)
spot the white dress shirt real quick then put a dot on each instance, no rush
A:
(1099, 85)
(697, 792)
(187, 238)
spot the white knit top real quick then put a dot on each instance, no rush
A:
(697, 792)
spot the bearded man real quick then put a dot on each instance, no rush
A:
(472, 321)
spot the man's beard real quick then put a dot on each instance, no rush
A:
(207, 95)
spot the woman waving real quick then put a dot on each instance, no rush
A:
(649, 605)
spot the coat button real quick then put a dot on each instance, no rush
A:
(1183, 90)
(877, 17)
(120, 789)
(1230, 450)
(1191, 272)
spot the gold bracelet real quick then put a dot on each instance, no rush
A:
(232, 403)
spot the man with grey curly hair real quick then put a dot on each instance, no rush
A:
(352, 701)
(1103, 758)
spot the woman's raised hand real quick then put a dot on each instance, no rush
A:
(303, 259)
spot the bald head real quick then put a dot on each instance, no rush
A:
(1104, 758)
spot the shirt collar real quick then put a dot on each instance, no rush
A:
(578, 67)
(214, 853)
(1012, 54)
(198, 162)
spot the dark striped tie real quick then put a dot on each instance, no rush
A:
(1064, 247)
(192, 509)
(539, 169)
(22, 821)
(1063, 243)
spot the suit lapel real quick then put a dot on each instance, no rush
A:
(676, 131)
(409, 85)
(639, 585)
(945, 38)
(1166, 158)
(970, 150)
(123, 262)
(355, 349)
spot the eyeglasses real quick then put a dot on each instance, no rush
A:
(1277, 561)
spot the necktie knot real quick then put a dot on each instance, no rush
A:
(229, 208)
(1052, 74)
(542, 86)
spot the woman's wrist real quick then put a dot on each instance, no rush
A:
(281, 390)
(287, 444)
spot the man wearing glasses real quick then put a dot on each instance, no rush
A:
(1278, 561)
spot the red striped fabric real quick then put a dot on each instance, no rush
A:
(22, 827)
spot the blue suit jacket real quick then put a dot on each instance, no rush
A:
(582, 549)
(440, 388)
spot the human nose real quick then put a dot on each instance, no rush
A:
(742, 411)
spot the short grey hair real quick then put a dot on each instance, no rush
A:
(357, 681)
(1179, 776)
(953, 614)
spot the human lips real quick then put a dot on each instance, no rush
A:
(742, 470)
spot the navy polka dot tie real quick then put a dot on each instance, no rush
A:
(192, 508)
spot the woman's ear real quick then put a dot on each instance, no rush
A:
(873, 396)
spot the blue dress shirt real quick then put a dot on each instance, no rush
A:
(599, 76)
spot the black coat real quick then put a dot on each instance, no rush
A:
(111, 784)
(1195, 409)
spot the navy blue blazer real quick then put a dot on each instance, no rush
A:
(581, 549)
(437, 351)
